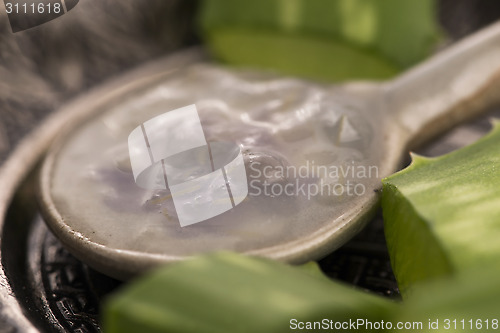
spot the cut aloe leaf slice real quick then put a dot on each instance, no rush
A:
(467, 302)
(298, 55)
(227, 292)
(442, 215)
(398, 33)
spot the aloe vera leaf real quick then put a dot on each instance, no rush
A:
(399, 32)
(442, 215)
(466, 302)
(227, 292)
(324, 60)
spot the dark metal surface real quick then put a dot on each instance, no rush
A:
(364, 262)
(73, 291)
(58, 292)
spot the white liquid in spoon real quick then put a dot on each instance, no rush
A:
(307, 151)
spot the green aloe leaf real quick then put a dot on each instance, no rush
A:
(466, 302)
(442, 215)
(285, 53)
(228, 292)
(365, 38)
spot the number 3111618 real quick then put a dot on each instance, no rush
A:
(32, 8)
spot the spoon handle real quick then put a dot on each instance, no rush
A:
(452, 86)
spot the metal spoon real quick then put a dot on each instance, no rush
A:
(90, 201)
